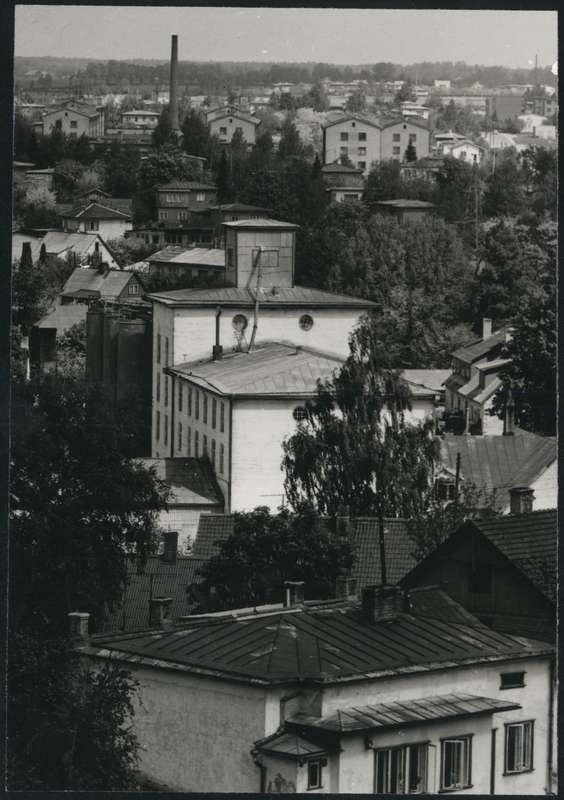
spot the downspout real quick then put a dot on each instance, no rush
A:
(492, 763)
(551, 675)
(230, 482)
(172, 400)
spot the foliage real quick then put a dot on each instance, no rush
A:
(160, 166)
(69, 724)
(28, 301)
(356, 103)
(71, 352)
(121, 165)
(78, 504)
(460, 119)
(267, 549)
(385, 182)
(196, 136)
(37, 209)
(541, 175)
(405, 93)
(504, 194)
(410, 152)
(455, 193)
(18, 361)
(163, 134)
(354, 448)
(129, 251)
(290, 141)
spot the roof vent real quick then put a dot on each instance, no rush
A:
(383, 603)
(159, 611)
(294, 593)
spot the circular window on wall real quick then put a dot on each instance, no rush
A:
(299, 413)
(306, 322)
(240, 322)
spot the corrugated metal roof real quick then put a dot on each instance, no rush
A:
(270, 369)
(64, 317)
(295, 296)
(480, 348)
(470, 386)
(405, 203)
(327, 643)
(191, 479)
(201, 256)
(109, 284)
(488, 390)
(290, 745)
(398, 544)
(254, 224)
(383, 716)
(163, 580)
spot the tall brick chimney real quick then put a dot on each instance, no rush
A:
(173, 99)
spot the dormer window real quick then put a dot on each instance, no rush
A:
(445, 489)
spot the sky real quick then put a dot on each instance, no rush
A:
(331, 35)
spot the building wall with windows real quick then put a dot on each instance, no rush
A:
(163, 356)
(107, 228)
(73, 123)
(225, 126)
(396, 138)
(356, 139)
(174, 205)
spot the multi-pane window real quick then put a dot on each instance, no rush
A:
(158, 348)
(222, 417)
(189, 441)
(197, 404)
(413, 137)
(396, 137)
(221, 457)
(267, 259)
(223, 131)
(205, 409)
(396, 151)
(158, 426)
(163, 214)
(229, 256)
(205, 444)
(512, 680)
(166, 430)
(200, 197)
(361, 136)
(214, 412)
(519, 746)
(166, 390)
(213, 453)
(166, 351)
(361, 164)
(344, 151)
(196, 444)
(180, 436)
(344, 136)
(180, 396)
(189, 401)
(401, 770)
(314, 775)
(133, 288)
(362, 151)
(158, 387)
(456, 757)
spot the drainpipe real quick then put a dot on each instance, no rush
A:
(492, 765)
(550, 725)
(172, 401)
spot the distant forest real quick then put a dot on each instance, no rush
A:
(216, 76)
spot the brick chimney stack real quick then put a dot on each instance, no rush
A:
(294, 593)
(170, 547)
(159, 611)
(383, 603)
(173, 98)
(486, 328)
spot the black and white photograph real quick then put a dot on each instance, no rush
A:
(283, 421)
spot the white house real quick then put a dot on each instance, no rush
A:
(225, 122)
(464, 150)
(110, 223)
(403, 693)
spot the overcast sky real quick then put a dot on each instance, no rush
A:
(510, 38)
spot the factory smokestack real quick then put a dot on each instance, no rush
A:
(173, 102)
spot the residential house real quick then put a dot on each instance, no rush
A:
(177, 200)
(225, 124)
(475, 380)
(502, 569)
(422, 169)
(192, 262)
(344, 184)
(140, 118)
(194, 493)
(427, 391)
(110, 223)
(504, 107)
(74, 120)
(397, 136)
(441, 84)
(446, 139)
(98, 195)
(337, 697)
(497, 464)
(404, 210)
(414, 110)
(82, 248)
(540, 102)
(465, 150)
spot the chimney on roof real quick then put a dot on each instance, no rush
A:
(521, 500)
(294, 593)
(509, 414)
(159, 611)
(173, 99)
(217, 350)
(170, 547)
(383, 603)
(78, 624)
(345, 587)
(486, 328)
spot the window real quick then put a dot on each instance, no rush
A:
(163, 214)
(456, 755)
(413, 137)
(314, 773)
(180, 398)
(445, 490)
(361, 136)
(214, 412)
(344, 136)
(59, 124)
(205, 415)
(73, 123)
(362, 151)
(396, 151)
(183, 215)
(361, 164)
(222, 417)
(196, 444)
(518, 747)
(180, 436)
(396, 137)
(213, 453)
(205, 444)
(350, 198)
(158, 387)
(299, 413)
(268, 259)
(240, 322)
(133, 288)
(200, 197)
(401, 770)
(223, 131)
(229, 256)
(221, 457)
(197, 404)
(93, 225)
(306, 322)
(158, 426)
(239, 130)
(480, 579)
(512, 680)
(344, 151)
(166, 351)
(189, 401)
(189, 441)
(158, 348)
(166, 430)
(166, 390)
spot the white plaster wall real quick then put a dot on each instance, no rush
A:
(404, 129)
(546, 489)
(185, 521)
(231, 123)
(109, 228)
(333, 142)
(481, 680)
(196, 733)
(163, 323)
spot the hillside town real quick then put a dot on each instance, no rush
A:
(284, 466)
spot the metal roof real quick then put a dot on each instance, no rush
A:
(399, 547)
(61, 318)
(290, 745)
(425, 381)
(272, 369)
(488, 390)
(319, 643)
(340, 168)
(481, 347)
(187, 186)
(212, 530)
(199, 256)
(405, 203)
(236, 298)
(94, 210)
(257, 224)
(107, 284)
(191, 479)
(383, 716)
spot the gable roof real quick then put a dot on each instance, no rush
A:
(481, 347)
(232, 297)
(187, 186)
(398, 545)
(364, 118)
(212, 530)
(237, 115)
(405, 203)
(201, 256)
(402, 121)
(271, 369)
(340, 168)
(425, 381)
(61, 318)
(192, 481)
(93, 210)
(498, 462)
(257, 224)
(107, 284)
(316, 642)
(78, 108)
(57, 242)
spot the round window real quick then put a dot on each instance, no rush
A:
(306, 322)
(299, 413)
(240, 322)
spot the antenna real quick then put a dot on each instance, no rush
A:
(257, 266)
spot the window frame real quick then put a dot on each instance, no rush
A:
(133, 288)
(196, 444)
(221, 465)
(222, 417)
(205, 409)
(362, 136)
(311, 786)
(158, 387)
(464, 738)
(165, 430)
(166, 390)
(180, 436)
(180, 396)
(344, 137)
(189, 401)
(158, 426)
(405, 766)
(214, 413)
(526, 724)
(513, 685)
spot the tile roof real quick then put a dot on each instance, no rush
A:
(164, 580)
(108, 284)
(191, 479)
(530, 542)
(488, 390)
(63, 317)
(499, 462)
(212, 530)
(364, 118)
(187, 185)
(430, 380)
(255, 224)
(238, 115)
(203, 256)
(238, 207)
(317, 642)
(93, 210)
(272, 369)
(236, 298)
(384, 716)
(398, 545)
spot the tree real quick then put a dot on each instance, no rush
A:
(532, 350)
(28, 287)
(159, 166)
(196, 137)
(410, 152)
(38, 209)
(406, 93)
(121, 165)
(541, 170)
(383, 183)
(504, 194)
(163, 135)
(290, 141)
(223, 180)
(71, 352)
(356, 103)
(264, 551)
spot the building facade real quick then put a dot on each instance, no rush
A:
(110, 223)
(227, 122)
(177, 200)
(74, 120)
